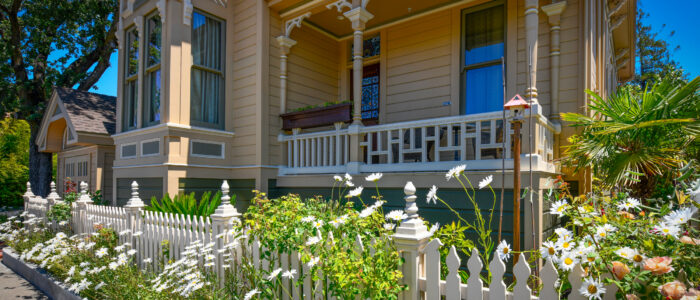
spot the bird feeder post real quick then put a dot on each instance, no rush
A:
(517, 105)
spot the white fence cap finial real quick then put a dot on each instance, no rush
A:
(53, 196)
(53, 187)
(29, 192)
(84, 197)
(135, 200)
(411, 208)
(225, 198)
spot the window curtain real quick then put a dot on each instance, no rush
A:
(484, 42)
(207, 92)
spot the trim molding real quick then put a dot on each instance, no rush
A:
(198, 166)
(155, 128)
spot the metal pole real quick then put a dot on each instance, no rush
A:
(516, 188)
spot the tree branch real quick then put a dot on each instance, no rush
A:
(100, 55)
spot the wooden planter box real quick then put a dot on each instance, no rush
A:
(317, 117)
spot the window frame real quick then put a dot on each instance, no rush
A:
(463, 67)
(149, 70)
(222, 73)
(130, 79)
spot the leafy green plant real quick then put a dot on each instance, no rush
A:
(187, 204)
(653, 132)
(59, 212)
(324, 104)
(14, 160)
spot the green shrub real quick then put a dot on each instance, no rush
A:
(59, 212)
(187, 204)
(14, 160)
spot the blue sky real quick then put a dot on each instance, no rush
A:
(679, 15)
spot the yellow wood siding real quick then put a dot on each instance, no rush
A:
(418, 68)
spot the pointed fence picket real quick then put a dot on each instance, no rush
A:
(148, 230)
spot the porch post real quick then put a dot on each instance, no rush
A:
(82, 203)
(359, 17)
(554, 12)
(286, 44)
(531, 28)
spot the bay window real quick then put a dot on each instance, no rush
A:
(131, 72)
(207, 88)
(152, 89)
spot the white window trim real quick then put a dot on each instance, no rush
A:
(121, 151)
(223, 149)
(148, 141)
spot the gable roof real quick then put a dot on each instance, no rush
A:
(89, 112)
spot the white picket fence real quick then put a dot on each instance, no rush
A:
(146, 231)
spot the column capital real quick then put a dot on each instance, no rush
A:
(554, 12)
(285, 43)
(359, 17)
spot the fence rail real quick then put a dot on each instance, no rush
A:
(146, 231)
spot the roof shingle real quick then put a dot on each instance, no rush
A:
(89, 112)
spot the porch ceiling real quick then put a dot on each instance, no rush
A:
(333, 22)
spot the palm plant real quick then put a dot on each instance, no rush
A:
(647, 133)
(187, 204)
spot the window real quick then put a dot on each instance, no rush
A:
(483, 45)
(207, 149)
(128, 150)
(151, 105)
(150, 147)
(70, 169)
(207, 92)
(82, 168)
(131, 81)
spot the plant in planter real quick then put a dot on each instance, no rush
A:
(315, 116)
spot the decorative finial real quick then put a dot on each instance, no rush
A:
(411, 208)
(225, 199)
(53, 196)
(135, 200)
(29, 192)
(84, 197)
(53, 187)
(83, 187)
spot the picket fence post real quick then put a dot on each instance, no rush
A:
(28, 195)
(82, 204)
(222, 223)
(134, 220)
(53, 196)
(410, 239)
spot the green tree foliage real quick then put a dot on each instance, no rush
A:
(653, 53)
(653, 132)
(46, 43)
(187, 204)
(14, 160)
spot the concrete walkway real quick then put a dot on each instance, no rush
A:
(13, 286)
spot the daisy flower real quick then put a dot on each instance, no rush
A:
(355, 192)
(368, 211)
(289, 274)
(313, 261)
(131, 252)
(317, 224)
(567, 261)
(626, 252)
(592, 288)
(667, 229)
(504, 251)
(337, 178)
(396, 215)
(548, 250)
(559, 207)
(101, 252)
(374, 177)
(455, 172)
(432, 195)
(249, 295)
(308, 219)
(630, 203)
(563, 233)
(565, 244)
(313, 240)
(485, 182)
(348, 177)
(680, 216)
(337, 222)
(389, 226)
(274, 274)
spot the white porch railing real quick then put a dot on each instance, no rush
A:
(422, 145)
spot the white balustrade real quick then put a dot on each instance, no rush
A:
(422, 145)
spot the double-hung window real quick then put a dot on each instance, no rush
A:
(152, 91)
(483, 45)
(131, 72)
(207, 90)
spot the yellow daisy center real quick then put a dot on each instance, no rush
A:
(565, 245)
(505, 250)
(637, 258)
(665, 230)
(568, 261)
(592, 289)
(591, 259)
(552, 251)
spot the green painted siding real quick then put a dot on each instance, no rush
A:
(242, 188)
